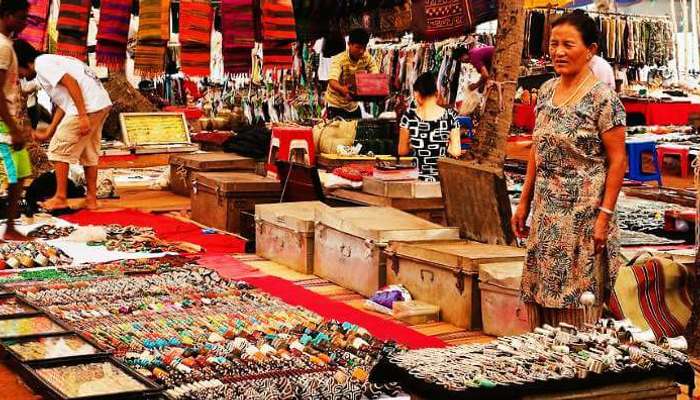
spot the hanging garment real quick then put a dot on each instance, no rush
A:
(35, 32)
(153, 35)
(113, 33)
(72, 28)
(238, 24)
(278, 32)
(440, 20)
(196, 19)
(536, 34)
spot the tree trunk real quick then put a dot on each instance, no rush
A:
(492, 133)
(692, 332)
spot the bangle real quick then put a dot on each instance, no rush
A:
(606, 210)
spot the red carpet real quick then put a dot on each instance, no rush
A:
(167, 228)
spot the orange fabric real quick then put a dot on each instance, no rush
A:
(13, 387)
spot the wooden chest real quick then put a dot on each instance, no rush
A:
(503, 311)
(410, 189)
(182, 166)
(284, 233)
(218, 198)
(445, 273)
(349, 243)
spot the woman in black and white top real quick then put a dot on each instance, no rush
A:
(428, 131)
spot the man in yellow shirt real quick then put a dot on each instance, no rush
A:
(341, 78)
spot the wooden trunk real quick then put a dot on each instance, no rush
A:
(445, 273)
(412, 189)
(218, 198)
(285, 233)
(430, 209)
(182, 166)
(503, 311)
(349, 243)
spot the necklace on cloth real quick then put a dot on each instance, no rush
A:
(575, 92)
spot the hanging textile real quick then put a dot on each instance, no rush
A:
(278, 33)
(113, 33)
(196, 19)
(238, 25)
(35, 32)
(153, 36)
(72, 28)
(394, 21)
(435, 20)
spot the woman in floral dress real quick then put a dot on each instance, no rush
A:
(575, 172)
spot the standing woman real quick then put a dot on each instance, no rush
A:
(574, 175)
(428, 131)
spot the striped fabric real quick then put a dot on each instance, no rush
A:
(653, 293)
(238, 25)
(113, 33)
(196, 19)
(35, 32)
(278, 32)
(538, 316)
(72, 28)
(153, 36)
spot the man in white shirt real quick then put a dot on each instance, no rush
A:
(82, 106)
(603, 71)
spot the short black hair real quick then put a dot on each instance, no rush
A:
(426, 84)
(26, 53)
(458, 52)
(583, 23)
(358, 36)
(13, 6)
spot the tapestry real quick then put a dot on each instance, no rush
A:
(277, 54)
(278, 20)
(196, 19)
(72, 28)
(440, 19)
(113, 33)
(35, 32)
(394, 21)
(238, 25)
(153, 36)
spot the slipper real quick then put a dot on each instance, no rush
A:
(57, 212)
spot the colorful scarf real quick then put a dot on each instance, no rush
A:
(153, 36)
(196, 19)
(238, 25)
(437, 20)
(72, 28)
(113, 33)
(278, 32)
(35, 32)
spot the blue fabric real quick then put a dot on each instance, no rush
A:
(8, 165)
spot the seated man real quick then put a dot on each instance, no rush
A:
(341, 77)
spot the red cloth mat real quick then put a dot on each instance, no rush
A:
(166, 227)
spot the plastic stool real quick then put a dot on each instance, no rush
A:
(288, 140)
(681, 151)
(466, 126)
(634, 157)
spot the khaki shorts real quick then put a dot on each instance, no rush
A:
(68, 146)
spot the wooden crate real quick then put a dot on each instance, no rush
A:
(218, 198)
(445, 273)
(285, 233)
(349, 243)
(182, 166)
(410, 189)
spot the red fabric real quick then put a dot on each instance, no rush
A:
(380, 328)
(167, 229)
(524, 116)
(662, 113)
(196, 19)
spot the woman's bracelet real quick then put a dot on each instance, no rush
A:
(606, 210)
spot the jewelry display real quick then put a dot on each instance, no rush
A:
(27, 326)
(14, 255)
(51, 347)
(10, 306)
(50, 232)
(93, 379)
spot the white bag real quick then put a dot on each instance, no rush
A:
(471, 102)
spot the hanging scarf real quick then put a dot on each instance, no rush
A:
(278, 32)
(72, 28)
(238, 25)
(196, 19)
(35, 32)
(113, 33)
(153, 36)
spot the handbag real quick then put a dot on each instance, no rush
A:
(653, 293)
(331, 134)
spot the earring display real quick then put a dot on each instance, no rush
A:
(11, 306)
(50, 347)
(92, 379)
(28, 326)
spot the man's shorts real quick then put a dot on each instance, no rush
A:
(14, 165)
(69, 146)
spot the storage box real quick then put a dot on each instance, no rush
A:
(218, 198)
(349, 243)
(415, 312)
(504, 314)
(329, 162)
(403, 189)
(182, 166)
(445, 273)
(371, 85)
(285, 233)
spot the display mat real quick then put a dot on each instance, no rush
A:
(149, 129)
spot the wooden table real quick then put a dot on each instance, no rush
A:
(431, 209)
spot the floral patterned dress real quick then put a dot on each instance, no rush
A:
(571, 169)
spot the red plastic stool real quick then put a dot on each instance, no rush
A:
(681, 151)
(291, 143)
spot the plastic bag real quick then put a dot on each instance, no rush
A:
(384, 299)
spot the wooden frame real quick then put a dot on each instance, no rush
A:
(133, 142)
